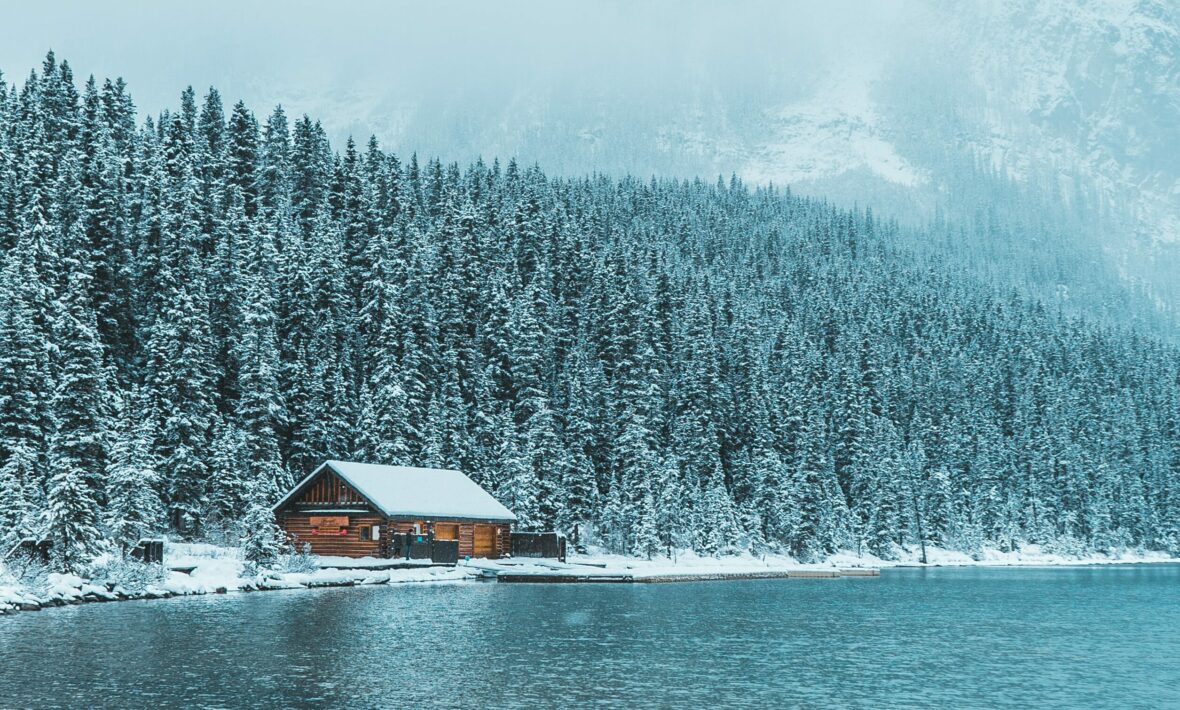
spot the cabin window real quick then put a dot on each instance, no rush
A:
(370, 532)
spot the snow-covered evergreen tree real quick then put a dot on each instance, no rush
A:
(134, 509)
(71, 517)
(262, 539)
(650, 365)
(18, 480)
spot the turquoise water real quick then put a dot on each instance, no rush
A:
(1076, 637)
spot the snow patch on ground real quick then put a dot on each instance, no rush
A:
(219, 569)
(1029, 555)
(222, 568)
(837, 131)
(1026, 556)
(689, 565)
(191, 568)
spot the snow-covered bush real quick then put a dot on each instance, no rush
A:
(128, 573)
(1066, 546)
(1171, 544)
(221, 532)
(299, 560)
(32, 575)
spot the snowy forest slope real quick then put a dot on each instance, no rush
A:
(1061, 116)
(197, 309)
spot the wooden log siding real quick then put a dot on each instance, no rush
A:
(466, 539)
(330, 490)
(407, 526)
(350, 544)
(298, 527)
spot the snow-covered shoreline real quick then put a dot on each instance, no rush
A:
(217, 570)
(1027, 556)
(689, 564)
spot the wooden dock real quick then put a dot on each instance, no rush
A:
(512, 577)
(545, 571)
(713, 577)
(814, 574)
(564, 578)
(392, 565)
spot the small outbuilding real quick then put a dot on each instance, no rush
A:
(355, 509)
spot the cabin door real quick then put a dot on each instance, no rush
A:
(446, 531)
(485, 541)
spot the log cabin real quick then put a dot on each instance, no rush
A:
(350, 509)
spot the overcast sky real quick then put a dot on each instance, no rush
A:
(312, 54)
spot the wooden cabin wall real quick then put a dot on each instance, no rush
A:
(501, 542)
(501, 534)
(466, 539)
(330, 489)
(298, 526)
(407, 526)
(505, 541)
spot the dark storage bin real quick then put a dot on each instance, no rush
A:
(410, 546)
(534, 544)
(149, 551)
(445, 552)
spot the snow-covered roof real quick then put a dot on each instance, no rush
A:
(404, 491)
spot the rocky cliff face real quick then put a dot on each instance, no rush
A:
(1094, 88)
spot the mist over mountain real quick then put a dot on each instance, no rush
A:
(1078, 106)
(1006, 112)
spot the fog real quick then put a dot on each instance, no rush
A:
(887, 103)
(361, 65)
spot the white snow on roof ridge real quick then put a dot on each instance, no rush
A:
(405, 491)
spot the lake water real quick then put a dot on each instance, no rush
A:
(1076, 637)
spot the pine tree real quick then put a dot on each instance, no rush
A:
(649, 365)
(262, 539)
(71, 521)
(229, 487)
(18, 479)
(815, 535)
(180, 375)
(134, 509)
(718, 530)
(24, 369)
(577, 475)
(81, 405)
(77, 450)
(261, 411)
(518, 486)
(532, 414)
(647, 534)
